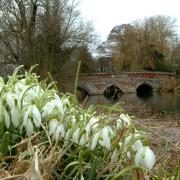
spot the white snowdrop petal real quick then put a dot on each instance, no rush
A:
(137, 145)
(57, 132)
(119, 124)
(105, 138)
(91, 125)
(75, 136)
(15, 116)
(26, 116)
(110, 131)
(83, 139)
(95, 141)
(10, 100)
(129, 155)
(88, 128)
(94, 122)
(62, 130)
(59, 105)
(52, 126)
(46, 111)
(106, 142)
(67, 137)
(28, 98)
(7, 118)
(125, 118)
(36, 116)
(145, 158)
(29, 127)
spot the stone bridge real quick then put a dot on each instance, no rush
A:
(113, 85)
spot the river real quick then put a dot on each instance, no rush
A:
(165, 102)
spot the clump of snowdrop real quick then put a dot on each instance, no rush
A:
(26, 105)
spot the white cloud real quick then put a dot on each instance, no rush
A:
(107, 13)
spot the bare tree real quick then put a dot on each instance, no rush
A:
(145, 44)
(45, 32)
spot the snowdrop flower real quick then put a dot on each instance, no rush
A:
(126, 119)
(67, 137)
(6, 117)
(95, 141)
(49, 107)
(145, 158)
(56, 129)
(10, 100)
(129, 155)
(133, 137)
(76, 134)
(15, 116)
(52, 126)
(91, 125)
(36, 115)
(102, 137)
(137, 145)
(84, 139)
(123, 120)
(29, 127)
(31, 113)
(59, 105)
(13, 112)
(29, 93)
(20, 86)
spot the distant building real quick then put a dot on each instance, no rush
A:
(105, 65)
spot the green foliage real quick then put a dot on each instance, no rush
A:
(4, 144)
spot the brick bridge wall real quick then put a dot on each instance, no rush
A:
(127, 82)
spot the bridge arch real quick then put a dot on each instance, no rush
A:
(113, 92)
(82, 92)
(144, 90)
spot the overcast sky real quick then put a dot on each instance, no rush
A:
(105, 14)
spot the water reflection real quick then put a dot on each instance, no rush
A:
(168, 102)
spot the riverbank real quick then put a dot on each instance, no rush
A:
(163, 131)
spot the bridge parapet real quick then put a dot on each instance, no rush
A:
(125, 82)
